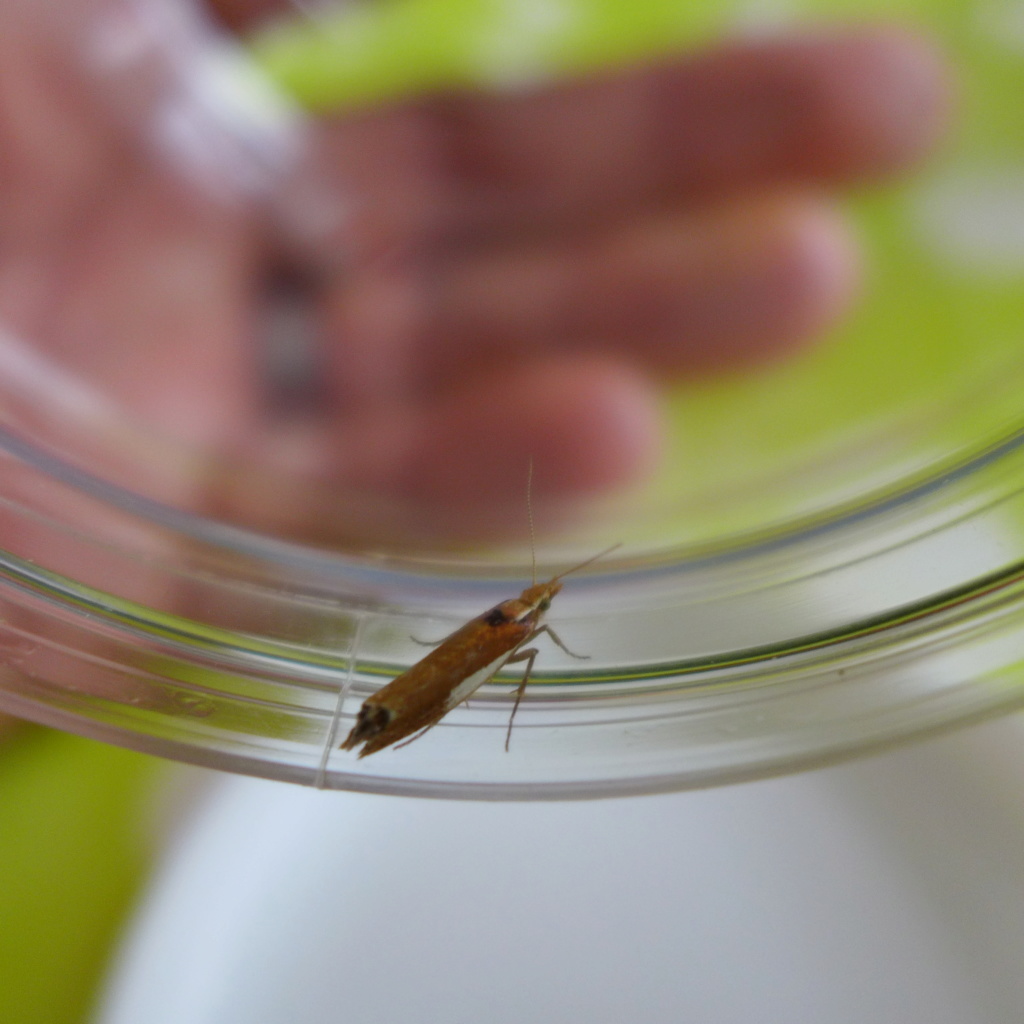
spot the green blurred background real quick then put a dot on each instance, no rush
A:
(76, 833)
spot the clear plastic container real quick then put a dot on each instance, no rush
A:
(828, 561)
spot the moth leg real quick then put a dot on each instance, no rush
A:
(529, 656)
(416, 735)
(558, 640)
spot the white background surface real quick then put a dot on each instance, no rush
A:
(889, 890)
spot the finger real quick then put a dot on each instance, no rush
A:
(454, 465)
(694, 292)
(589, 425)
(747, 116)
(823, 108)
(863, 103)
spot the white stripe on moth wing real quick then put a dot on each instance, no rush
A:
(476, 680)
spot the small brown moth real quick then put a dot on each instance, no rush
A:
(420, 697)
(461, 663)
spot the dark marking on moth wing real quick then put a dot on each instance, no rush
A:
(496, 617)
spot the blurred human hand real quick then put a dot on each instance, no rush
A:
(515, 277)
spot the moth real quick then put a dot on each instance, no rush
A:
(420, 697)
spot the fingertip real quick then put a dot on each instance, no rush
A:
(734, 286)
(600, 425)
(818, 272)
(916, 85)
(590, 426)
(891, 100)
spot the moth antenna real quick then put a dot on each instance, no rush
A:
(529, 517)
(585, 563)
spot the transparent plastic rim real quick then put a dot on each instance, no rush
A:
(901, 616)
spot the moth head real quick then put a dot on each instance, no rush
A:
(539, 596)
